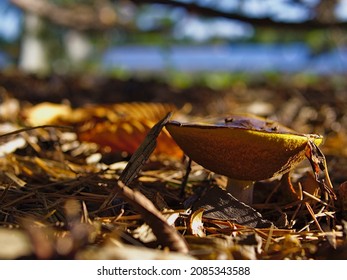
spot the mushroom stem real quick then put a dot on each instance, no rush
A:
(241, 190)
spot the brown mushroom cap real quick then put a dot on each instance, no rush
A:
(242, 147)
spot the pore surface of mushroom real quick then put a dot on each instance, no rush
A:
(244, 148)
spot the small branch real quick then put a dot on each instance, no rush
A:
(167, 235)
(81, 17)
(15, 132)
(265, 22)
(185, 178)
(143, 152)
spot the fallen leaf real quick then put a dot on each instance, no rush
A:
(218, 204)
(196, 226)
(14, 244)
(342, 191)
(46, 113)
(115, 128)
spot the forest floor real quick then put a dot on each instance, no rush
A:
(66, 143)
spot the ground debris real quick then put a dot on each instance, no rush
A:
(59, 199)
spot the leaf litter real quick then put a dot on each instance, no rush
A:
(64, 196)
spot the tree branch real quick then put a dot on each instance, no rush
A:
(265, 22)
(81, 17)
(103, 16)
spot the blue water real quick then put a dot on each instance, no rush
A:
(288, 58)
(251, 58)
(3, 60)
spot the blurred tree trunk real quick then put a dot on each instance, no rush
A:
(77, 45)
(33, 53)
(325, 11)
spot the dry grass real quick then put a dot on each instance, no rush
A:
(60, 198)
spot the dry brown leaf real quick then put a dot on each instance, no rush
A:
(220, 205)
(310, 185)
(196, 226)
(318, 163)
(115, 128)
(342, 191)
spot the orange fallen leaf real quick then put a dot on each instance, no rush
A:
(115, 128)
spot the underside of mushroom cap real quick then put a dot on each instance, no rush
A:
(242, 150)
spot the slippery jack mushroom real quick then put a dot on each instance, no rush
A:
(244, 148)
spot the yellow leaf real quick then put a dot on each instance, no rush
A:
(46, 113)
(196, 225)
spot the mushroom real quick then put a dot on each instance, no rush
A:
(245, 148)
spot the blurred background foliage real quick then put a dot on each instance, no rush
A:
(168, 38)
